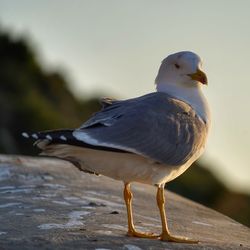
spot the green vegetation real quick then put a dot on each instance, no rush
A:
(32, 99)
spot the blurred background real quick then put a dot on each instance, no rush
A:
(57, 58)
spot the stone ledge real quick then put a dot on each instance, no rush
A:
(48, 204)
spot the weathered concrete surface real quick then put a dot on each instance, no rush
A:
(48, 204)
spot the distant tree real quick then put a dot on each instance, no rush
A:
(32, 99)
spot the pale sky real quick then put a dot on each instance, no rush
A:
(114, 48)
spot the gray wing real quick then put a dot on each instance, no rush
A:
(155, 126)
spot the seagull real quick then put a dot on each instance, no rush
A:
(151, 139)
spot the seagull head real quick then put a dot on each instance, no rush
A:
(182, 69)
(181, 76)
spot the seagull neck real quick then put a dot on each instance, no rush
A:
(193, 96)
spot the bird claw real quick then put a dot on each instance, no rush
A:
(177, 239)
(143, 235)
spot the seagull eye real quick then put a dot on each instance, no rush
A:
(177, 65)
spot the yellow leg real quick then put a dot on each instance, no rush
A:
(131, 228)
(166, 236)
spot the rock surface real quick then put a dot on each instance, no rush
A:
(48, 204)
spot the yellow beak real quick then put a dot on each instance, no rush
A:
(199, 76)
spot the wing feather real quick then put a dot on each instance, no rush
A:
(156, 126)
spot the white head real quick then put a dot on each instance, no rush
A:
(180, 75)
(182, 68)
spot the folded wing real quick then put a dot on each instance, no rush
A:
(156, 126)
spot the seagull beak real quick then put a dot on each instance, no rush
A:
(199, 76)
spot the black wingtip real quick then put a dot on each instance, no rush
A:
(32, 136)
(25, 135)
(55, 135)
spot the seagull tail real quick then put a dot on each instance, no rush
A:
(45, 138)
(60, 144)
(65, 136)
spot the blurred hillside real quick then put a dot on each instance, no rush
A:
(32, 100)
